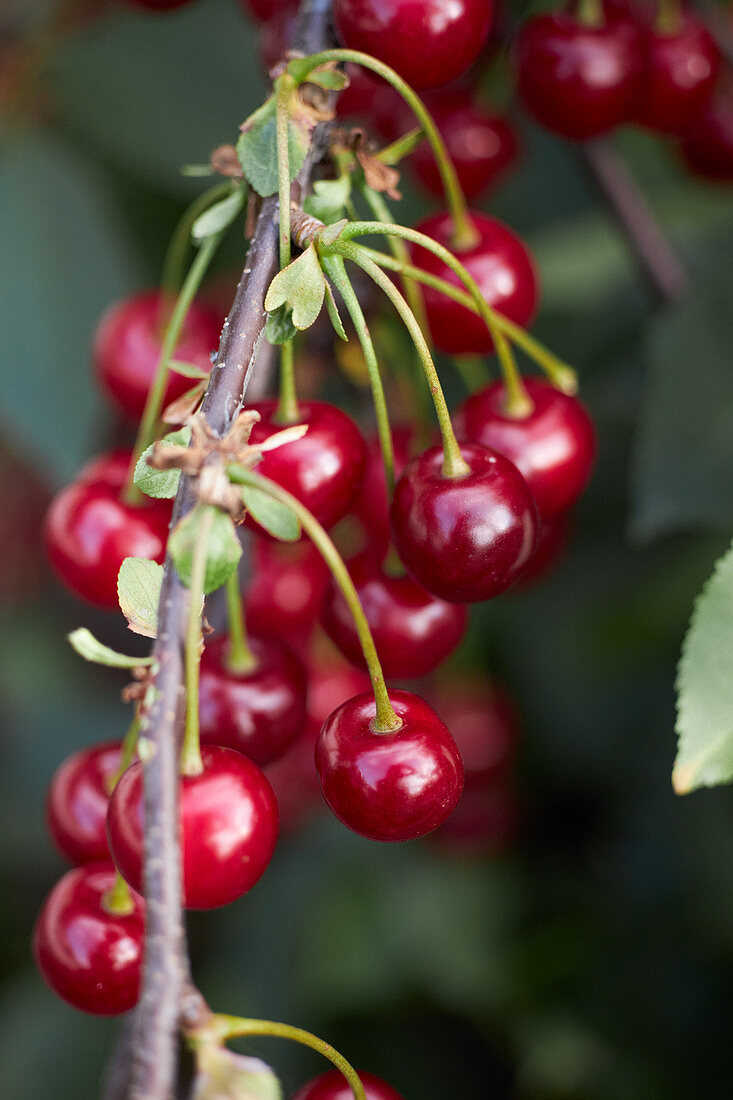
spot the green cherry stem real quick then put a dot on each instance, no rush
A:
(669, 17)
(402, 147)
(287, 405)
(284, 87)
(589, 13)
(240, 657)
(175, 257)
(191, 763)
(129, 746)
(386, 719)
(118, 899)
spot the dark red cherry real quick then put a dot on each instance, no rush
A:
(482, 145)
(127, 348)
(468, 538)
(110, 468)
(679, 74)
(501, 265)
(78, 797)
(428, 42)
(89, 531)
(389, 786)
(484, 823)
(553, 446)
(276, 35)
(578, 81)
(707, 147)
(413, 631)
(285, 593)
(228, 822)
(483, 720)
(371, 505)
(259, 713)
(89, 957)
(324, 468)
(334, 1086)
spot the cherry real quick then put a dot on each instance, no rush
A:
(467, 538)
(228, 822)
(553, 446)
(324, 468)
(333, 1086)
(428, 42)
(501, 265)
(482, 718)
(577, 80)
(707, 147)
(413, 631)
(127, 346)
(78, 797)
(371, 506)
(680, 70)
(89, 957)
(286, 590)
(260, 712)
(389, 786)
(89, 531)
(276, 35)
(110, 468)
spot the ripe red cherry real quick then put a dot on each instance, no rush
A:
(127, 348)
(679, 74)
(482, 718)
(89, 531)
(578, 81)
(464, 539)
(78, 797)
(287, 588)
(428, 42)
(413, 631)
(501, 265)
(371, 506)
(707, 147)
(228, 824)
(324, 468)
(89, 957)
(259, 713)
(110, 468)
(333, 1086)
(553, 446)
(389, 786)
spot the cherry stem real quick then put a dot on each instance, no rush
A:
(129, 746)
(386, 719)
(402, 147)
(589, 13)
(240, 657)
(669, 17)
(118, 899)
(284, 87)
(175, 257)
(464, 232)
(191, 762)
(287, 406)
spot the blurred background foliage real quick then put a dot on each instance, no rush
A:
(592, 958)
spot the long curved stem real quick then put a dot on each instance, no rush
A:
(175, 256)
(287, 405)
(191, 763)
(240, 657)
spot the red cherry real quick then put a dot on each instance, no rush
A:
(78, 797)
(553, 446)
(324, 468)
(707, 147)
(371, 506)
(680, 70)
(89, 532)
(578, 81)
(413, 631)
(287, 588)
(259, 713)
(481, 145)
(482, 718)
(501, 265)
(228, 824)
(89, 957)
(127, 348)
(428, 42)
(485, 822)
(464, 539)
(276, 36)
(109, 468)
(389, 786)
(334, 1086)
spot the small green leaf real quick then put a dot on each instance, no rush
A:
(194, 171)
(87, 646)
(279, 327)
(301, 286)
(223, 1075)
(162, 484)
(257, 148)
(705, 687)
(334, 314)
(223, 547)
(218, 217)
(333, 80)
(329, 198)
(188, 370)
(332, 232)
(138, 590)
(275, 517)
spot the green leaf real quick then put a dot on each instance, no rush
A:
(334, 314)
(223, 1075)
(277, 519)
(279, 327)
(300, 286)
(219, 216)
(333, 80)
(329, 198)
(223, 547)
(705, 687)
(87, 646)
(138, 590)
(188, 370)
(257, 148)
(332, 232)
(162, 484)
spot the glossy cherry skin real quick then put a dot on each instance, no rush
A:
(89, 531)
(707, 147)
(679, 74)
(371, 506)
(333, 1086)
(324, 468)
(413, 631)
(259, 713)
(553, 446)
(285, 593)
(229, 823)
(428, 42)
(127, 346)
(464, 539)
(501, 265)
(483, 720)
(576, 80)
(389, 786)
(89, 957)
(78, 797)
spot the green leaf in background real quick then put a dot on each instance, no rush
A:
(275, 517)
(219, 216)
(138, 590)
(705, 687)
(162, 484)
(257, 148)
(223, 548)
(87, 646)
(329, 198)
(223, 1075)
(301, 287)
